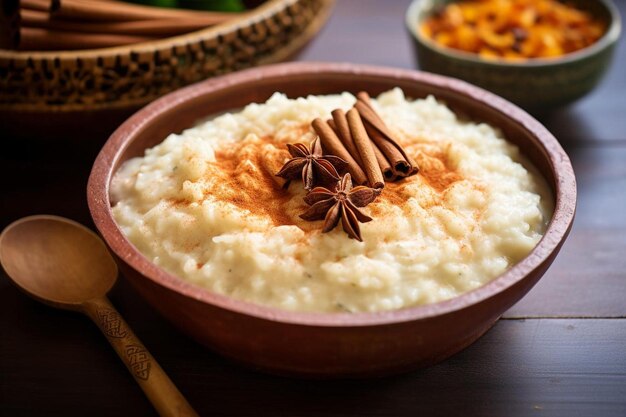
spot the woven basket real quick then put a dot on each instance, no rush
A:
(69, 94)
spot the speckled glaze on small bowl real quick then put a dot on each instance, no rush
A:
(537, 84)
(341, 344)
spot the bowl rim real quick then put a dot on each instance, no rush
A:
(610, 37)
(102, 172)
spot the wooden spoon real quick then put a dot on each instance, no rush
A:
(63, 264)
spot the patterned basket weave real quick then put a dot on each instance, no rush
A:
(122, 79)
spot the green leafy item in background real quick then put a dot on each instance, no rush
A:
(216, 5)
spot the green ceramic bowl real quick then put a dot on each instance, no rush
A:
(537, 84)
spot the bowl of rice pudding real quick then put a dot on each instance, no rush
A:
(333, 267)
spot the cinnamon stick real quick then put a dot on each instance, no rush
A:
(397, 159)
(331, 144)
(343, 130)
(365, 148)
(384, 165)
(346, 139)
(36, 39)
(369, 113)
(152, 27)
(404, 167)
(333, 126)
(41, 5)
(117, 11)
(364, 97)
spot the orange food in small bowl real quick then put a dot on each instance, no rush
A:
(513, 29)
(540, 54)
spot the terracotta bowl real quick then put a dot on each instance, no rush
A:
(343, 344)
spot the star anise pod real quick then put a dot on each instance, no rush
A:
(341, 204)
(311, 164)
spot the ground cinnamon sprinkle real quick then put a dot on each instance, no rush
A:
(299, 131)
(244, 176)
(178, 202)
(435, 172)
(259, 193)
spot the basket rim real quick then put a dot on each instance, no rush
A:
(93, 56)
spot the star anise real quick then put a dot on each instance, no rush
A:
(311, 164)
(341, 204)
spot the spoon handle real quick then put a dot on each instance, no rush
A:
(154, 382)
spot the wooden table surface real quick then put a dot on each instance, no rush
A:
(561, 351)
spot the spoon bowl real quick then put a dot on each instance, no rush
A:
(47, 257)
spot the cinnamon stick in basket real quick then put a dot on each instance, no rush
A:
(331, 144)
(41, 5)
(152, 27)
(36, 39)
(366, 149)
(117, 11)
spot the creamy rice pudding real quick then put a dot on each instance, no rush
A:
(206, 205)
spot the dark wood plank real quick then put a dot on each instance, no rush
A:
(556, 367)
(55, 363)
(46, 177)
(588, 278)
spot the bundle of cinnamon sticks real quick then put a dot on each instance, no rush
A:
(85, 24)
(361, 138)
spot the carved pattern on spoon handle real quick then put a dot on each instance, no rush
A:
(137, 357)
(111, 322)
(139, 360)
(151, 378)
